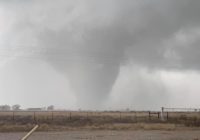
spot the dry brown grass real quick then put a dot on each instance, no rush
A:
(115, 126)
(65, 120)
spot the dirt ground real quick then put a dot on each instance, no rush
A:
(108, 135)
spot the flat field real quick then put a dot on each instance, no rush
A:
(19, 121)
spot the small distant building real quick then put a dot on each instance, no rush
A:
(50, 108)
(35, 109)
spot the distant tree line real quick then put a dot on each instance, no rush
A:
(5, 107)
(17, 107)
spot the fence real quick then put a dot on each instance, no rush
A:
(40, 116)
(168, 113)
(63, 117)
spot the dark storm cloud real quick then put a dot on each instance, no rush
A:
(90, 40)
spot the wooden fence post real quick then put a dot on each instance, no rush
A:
(167, 115)
(70, 115)
(34, 117)
(87, 115)
(162, 114)
(52, 115)
(135, 116)
(149, 115)
(13, 116)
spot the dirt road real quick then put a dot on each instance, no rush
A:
(107, 135)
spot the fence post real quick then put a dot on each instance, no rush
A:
(167, 115)
(162, 114)
(13, 115)
(52, 115)
(87, 115)
(34, 117)
(149, 115)
(120, 115)
(70, 115)
(135, 116)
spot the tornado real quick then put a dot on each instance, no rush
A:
(99, 46)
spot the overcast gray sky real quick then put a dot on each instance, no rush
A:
(100, 54)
